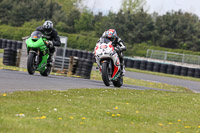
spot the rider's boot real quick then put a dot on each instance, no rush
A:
(123, 68)
(50, 59)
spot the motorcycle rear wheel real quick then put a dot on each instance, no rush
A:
(31, 64)
(105, 74)
(118, 82)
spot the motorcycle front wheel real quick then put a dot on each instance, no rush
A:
(31, 63)
(118, 82)
(47, 71)
(105, 74)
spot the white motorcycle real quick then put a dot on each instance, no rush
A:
(108, 63)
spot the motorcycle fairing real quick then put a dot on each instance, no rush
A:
(43, 63)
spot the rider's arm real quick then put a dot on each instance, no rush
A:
(56, 39)
(40, 29)
(121, 44)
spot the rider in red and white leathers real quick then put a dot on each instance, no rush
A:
(111, 34)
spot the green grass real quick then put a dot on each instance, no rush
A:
(95, 75)
(162, 74)
(99, 110)
(2, 66)
(1, 50)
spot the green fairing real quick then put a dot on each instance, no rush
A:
(41, 45)
(43, 63)
(38, 44)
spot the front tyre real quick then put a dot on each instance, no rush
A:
(118, 82)
(31, 63)
(105, 75)
(47, 71)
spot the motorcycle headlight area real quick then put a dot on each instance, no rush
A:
(108, 51)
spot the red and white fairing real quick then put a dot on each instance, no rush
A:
(105, 51)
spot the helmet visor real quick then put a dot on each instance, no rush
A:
(47, 30)
(104, 40)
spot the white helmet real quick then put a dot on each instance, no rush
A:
(48, 27)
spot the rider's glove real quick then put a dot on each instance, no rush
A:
(50, 44)
(117, 49)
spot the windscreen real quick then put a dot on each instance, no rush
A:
(36, 35)
(104, 40)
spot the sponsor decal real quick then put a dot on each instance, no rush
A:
(118, 61)
(103, 46)
(111, 47)
(116, 69)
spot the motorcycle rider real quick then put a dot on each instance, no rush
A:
(118, 44)
(52, 36)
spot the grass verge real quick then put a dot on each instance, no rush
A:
(1, 50)
(95, 75)
(2, 66)
(162, 74)
(99, 110)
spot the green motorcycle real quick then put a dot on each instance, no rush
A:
(38, 54)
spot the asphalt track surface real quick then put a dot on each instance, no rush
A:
(21, 81)
(15, 81)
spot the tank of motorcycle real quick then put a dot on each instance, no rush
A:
(36, 44)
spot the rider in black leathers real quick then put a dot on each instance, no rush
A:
(52, 35)
(111, 34)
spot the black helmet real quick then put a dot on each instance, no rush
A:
(48, 27)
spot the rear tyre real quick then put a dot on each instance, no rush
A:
(119, 82)
(31, 64)
(105, 74)
(46, 72)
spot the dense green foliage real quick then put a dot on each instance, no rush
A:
(79, 41)
(139, 30)
(17, 12)
(178, 30)
(15, 33)
(76, 41)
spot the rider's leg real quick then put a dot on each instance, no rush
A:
(51, 52)
(122, 63)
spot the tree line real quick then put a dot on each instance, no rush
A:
(175, 29)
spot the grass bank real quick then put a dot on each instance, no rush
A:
(162, 74)
(99, 110)
(1, 50)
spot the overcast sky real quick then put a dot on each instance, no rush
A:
(159, 6)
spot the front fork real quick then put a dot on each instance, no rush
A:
(37, 57)
(110, 67)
